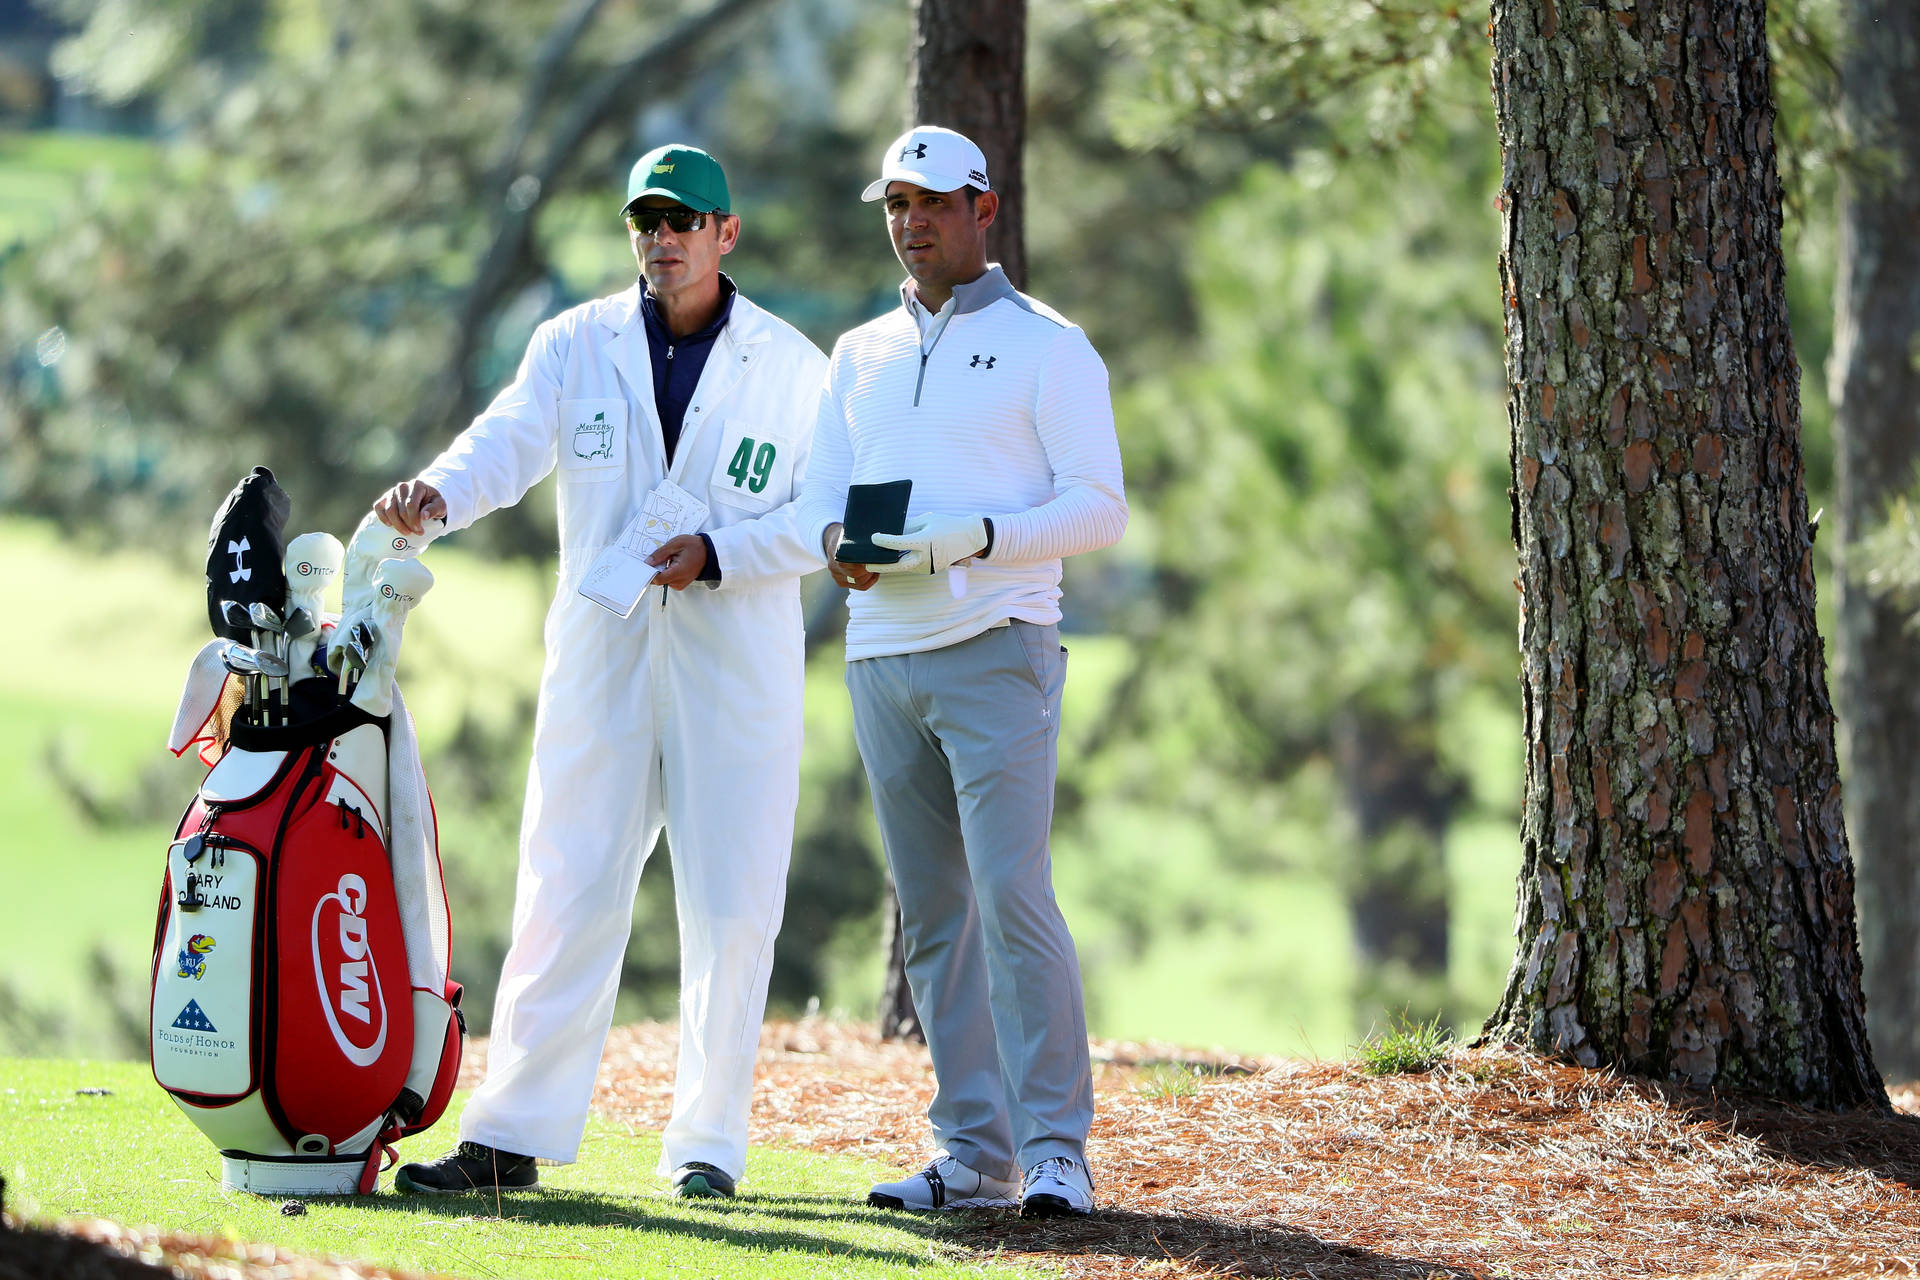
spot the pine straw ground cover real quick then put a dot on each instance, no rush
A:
(1494, 1164)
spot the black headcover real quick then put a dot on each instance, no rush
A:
(244, 550)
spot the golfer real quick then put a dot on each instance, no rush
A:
(685, 714)
(997, 410)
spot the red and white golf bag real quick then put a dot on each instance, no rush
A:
(302, 1012)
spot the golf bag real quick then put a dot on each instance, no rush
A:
(302, 1014)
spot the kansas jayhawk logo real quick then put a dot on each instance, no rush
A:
(593, 439)
(193, 956)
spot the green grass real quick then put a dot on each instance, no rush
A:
(1168, 1080)
(131, 1157)
(1404, 1048)
(43, 173)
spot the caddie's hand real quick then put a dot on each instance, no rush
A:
(409, 505)
(854, 577)
(933, 543)
(680, 560)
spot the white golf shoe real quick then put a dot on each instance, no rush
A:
(945, 1184)
(1057, 1187)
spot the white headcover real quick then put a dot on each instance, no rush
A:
(397, 587)
(312, 564)
(371, 543)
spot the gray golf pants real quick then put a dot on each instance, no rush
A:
(960, 746)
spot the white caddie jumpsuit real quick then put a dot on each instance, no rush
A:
(687, 714)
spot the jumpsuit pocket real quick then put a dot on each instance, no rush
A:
(754, 469)
(593, 439)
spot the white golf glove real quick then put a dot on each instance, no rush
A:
(932, 543)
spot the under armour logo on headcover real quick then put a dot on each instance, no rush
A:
(238, 550)
(982, 362)
(916, 152)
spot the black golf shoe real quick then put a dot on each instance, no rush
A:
(468, 1167)
(698, 1180)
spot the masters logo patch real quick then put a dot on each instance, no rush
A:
(593, 439)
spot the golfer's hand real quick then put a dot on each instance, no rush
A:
(931, 543)
(409, 505)
(680, 560)
(854, 577)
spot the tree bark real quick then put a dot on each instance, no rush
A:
(969, 74)
(898, 1018)
(1875, 386)
(1686, 893)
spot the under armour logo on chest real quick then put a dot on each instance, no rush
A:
(914, 153)
(982, 362)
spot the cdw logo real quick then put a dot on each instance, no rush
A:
(343, 969)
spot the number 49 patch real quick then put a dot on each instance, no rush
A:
(753, 468)
(752, 463)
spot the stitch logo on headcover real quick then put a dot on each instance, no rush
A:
(348, 978)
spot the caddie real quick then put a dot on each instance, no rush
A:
(680, 404)
(996, 408)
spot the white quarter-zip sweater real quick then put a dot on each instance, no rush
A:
(1003, 412)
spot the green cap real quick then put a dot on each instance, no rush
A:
(682, 173)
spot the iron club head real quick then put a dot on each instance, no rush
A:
(244, 661)
(264, 617)
(361, 639)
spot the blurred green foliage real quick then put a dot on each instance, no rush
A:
(1328, 541)
(285, 282)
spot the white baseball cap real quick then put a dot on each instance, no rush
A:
(931, 157)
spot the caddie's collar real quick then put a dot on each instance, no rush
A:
(656, 317)
(975, 295)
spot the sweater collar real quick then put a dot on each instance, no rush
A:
(975, 295)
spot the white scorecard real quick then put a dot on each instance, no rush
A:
(618, 576)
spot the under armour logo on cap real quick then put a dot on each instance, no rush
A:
(934, 158)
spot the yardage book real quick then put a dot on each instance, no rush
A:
(619, 575)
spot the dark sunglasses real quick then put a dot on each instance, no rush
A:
(647, 221)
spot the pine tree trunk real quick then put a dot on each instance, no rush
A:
(1686, 894)
(899, 1020)
(1876, 396)
(969, 73)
